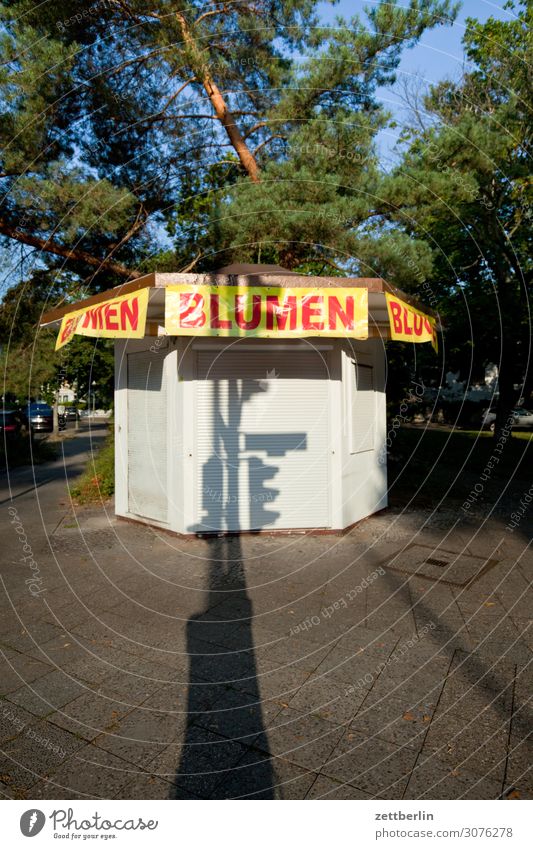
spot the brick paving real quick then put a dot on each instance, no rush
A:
(296, 667)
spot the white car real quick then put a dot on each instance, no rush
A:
(521, 418)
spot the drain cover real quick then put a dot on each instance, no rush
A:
(435, 564)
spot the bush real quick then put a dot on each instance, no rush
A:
(97, 483)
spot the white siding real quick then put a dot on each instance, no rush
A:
(363, 408)
(147, 435)
(364, 458)
(262, 445)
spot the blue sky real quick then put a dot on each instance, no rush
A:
(438, 55)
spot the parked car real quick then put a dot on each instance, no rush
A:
(40, 417)
(522, 418)
(71, 414)
(13, 423)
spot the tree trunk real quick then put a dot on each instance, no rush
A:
(507, 394)
(527, 388)
(509, 303)
(218, 103)
(55, 417)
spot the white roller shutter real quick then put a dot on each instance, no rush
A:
(147, 435)
(262, 440)
(363, 409)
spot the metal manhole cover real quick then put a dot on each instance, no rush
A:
(435, 564)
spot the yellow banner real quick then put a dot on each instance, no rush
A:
(265, 311)
(408, 324)
(123, 317)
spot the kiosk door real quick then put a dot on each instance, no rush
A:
(262, 440)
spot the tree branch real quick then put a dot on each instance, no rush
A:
(266, 141)
(254, 128)
(140, 221)
(74, 254)
(191, 265)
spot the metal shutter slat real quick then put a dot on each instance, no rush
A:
(362, 409)
(147, 435)
(262, 446)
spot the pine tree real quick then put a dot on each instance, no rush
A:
(465, 185)
(111, 113)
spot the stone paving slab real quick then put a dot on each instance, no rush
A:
(373, 765)
(328, 700)
(90, 773)
(200, 763)
(302, 738)
(259, 776)
(17, 669)
(396, 720)
(37, 752)
(47, 693)
(434, 779)
(325, 789)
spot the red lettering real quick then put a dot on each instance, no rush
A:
(312, 306)
(92, 317)
(406, 329)
(336, 311)
(418, 324)
(216, 321)
(396, 311)
(428, 326)
(70, 327)
(110, 312)
(191, 310)
(282, 313)
(129, 312)
(100, 316)
(253, 322)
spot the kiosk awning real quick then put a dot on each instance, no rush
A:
(264, 301)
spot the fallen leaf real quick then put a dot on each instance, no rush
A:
(489, 604)
(426, 718)
(409, 716)
(513, 795)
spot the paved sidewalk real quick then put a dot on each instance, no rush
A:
(374, 665)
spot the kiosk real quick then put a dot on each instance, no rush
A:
(251, 399)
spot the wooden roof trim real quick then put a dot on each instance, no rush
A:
(146, 282)
(412, 300)
(375, 285)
